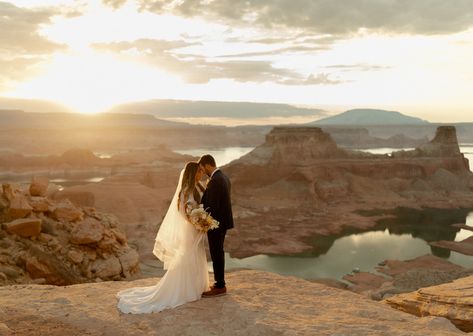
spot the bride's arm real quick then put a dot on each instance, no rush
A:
(184, 207)
(188, 206)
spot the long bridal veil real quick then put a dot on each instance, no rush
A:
(170, 238)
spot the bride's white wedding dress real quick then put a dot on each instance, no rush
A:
(181, 248)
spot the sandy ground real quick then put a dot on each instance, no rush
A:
(258, 303)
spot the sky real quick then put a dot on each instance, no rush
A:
(412, 56)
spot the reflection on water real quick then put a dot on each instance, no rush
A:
(221, 155)
(73, 182)
(80, 179)
(383, 150)
(363, 251)
(402, 238)
(468, 152)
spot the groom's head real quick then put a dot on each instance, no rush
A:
(207, 164)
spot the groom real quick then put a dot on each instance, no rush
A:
(216, 200)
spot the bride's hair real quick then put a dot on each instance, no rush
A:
(188, 182)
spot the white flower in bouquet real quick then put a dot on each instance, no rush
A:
(202, 220)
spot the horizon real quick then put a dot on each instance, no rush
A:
(335, 56)
(224, 121)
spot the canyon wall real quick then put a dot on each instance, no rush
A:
(300, 183)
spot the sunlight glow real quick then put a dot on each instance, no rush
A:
(93, 82)
(425, 76)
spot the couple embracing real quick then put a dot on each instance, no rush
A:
(180, 245)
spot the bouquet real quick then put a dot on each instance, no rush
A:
(201, 219)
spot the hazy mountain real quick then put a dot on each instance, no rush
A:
(370, 117)
(196, 109)
(30, 105)
(17, 119)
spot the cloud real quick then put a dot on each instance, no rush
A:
(358, 67)
(21, 46)
(19, 30)
(198, 69)
(335, 17)
(314, 79)
(272, 52)
(16, 69)
(145, 46)
(114, 3)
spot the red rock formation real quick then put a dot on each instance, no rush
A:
(299, 182)
(301, 145)
(26, 227)
(453, 301)
(405, 276)
(39, 186)
(59, 243)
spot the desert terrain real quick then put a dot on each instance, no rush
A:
(299, 182)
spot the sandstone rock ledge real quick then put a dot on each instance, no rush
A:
(451, 300)
(258, 303)
(44, 241)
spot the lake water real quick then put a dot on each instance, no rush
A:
(405, 237)
(222, 156)
(466, 149)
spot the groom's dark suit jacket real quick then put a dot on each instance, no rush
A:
(217, 200)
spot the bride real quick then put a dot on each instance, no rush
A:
(181, 248)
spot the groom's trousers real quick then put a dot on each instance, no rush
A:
(216, 239)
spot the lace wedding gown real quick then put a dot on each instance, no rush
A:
(181, 247)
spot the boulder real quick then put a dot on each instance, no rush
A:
(27, 227)
(87, 231)
(8, 191)
(106, 268)
(108, 243)
(49, 226)
(45, 238)
(39, 204)
(129, 261)
(50, 266)
(3, 203)
(75, 256)
(38, 269)
(19, 207)
(10, 272)
(39, 186)
(66, 211)
(119, 236)
(453, 301)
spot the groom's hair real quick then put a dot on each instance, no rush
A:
(207, 159)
